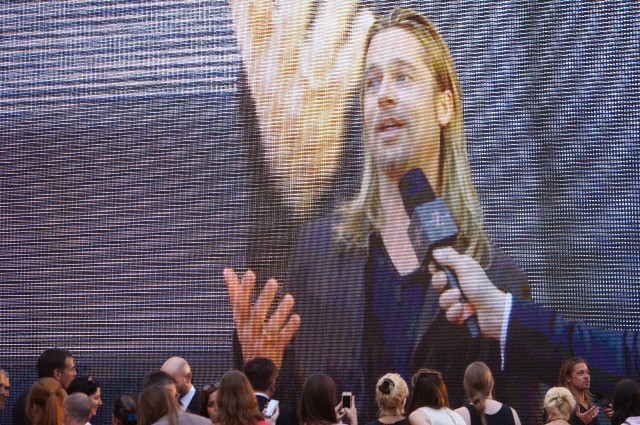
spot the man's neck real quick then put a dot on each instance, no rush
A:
(394, 229)
(580, 396)
(391, 202)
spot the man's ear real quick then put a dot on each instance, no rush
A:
(444, 108)
(188, 377)
(57, 374)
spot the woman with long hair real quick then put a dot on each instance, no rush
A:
(482, 409)
(391, 395)
(156, 405)
(317, 403)
(626, 403)
(236, 401)
(44, 402)
(429, 400)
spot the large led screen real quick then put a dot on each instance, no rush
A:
(145, 146)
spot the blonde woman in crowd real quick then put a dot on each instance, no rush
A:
(391, 395)
(482, 409)
(559, 403)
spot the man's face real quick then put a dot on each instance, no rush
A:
(96, 401)
(400, 101)
(579, 380)
(68, 374)
(172, 390)
(4, 390)
(182, 384)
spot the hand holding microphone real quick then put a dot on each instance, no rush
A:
(432, 231)
(431, 226)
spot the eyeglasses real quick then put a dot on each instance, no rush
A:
(213, 386)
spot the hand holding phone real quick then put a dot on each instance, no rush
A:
(271, 408)
(346, 399)
(347, 413)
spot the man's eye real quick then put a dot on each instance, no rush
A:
(372, 82)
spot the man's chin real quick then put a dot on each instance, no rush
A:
(396, 169)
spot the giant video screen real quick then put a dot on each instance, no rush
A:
(147, 146)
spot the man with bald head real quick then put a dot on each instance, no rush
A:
(180, 370)
(76, 409)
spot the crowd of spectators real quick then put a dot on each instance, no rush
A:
(168, 397)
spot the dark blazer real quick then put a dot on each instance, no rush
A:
(19, 415)
(194, 404)
(329, 286)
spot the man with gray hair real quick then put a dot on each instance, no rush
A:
(4, 388)
(180, 370)
(76, 409)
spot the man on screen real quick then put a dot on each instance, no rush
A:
(364, 303)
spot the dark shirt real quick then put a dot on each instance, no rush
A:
(403, 421)
(396, 305)
(504, 416)
(19, 413)
(575, 420)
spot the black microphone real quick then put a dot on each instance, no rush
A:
(430, 226)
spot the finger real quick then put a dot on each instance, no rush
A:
(446, 256)
(347, 69)
(449, 298)
(289, 330)
(262, 305)
(455, 314)
(291, 19)
(467, 311)
(231, 280)
(327, 38)
(240, 302)
(252, 24)
(281, 314)
(439, 280)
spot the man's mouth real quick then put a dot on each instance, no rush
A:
(389, 125)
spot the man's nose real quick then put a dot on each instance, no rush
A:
(387, 94)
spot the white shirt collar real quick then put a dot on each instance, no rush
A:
(184, 401)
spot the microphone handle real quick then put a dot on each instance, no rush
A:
(472, 321)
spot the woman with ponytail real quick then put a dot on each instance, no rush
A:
(391, 394)
(44, 402)
(482, 409)
(559, 403)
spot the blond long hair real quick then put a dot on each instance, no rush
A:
(478, 384)
(363, 214)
